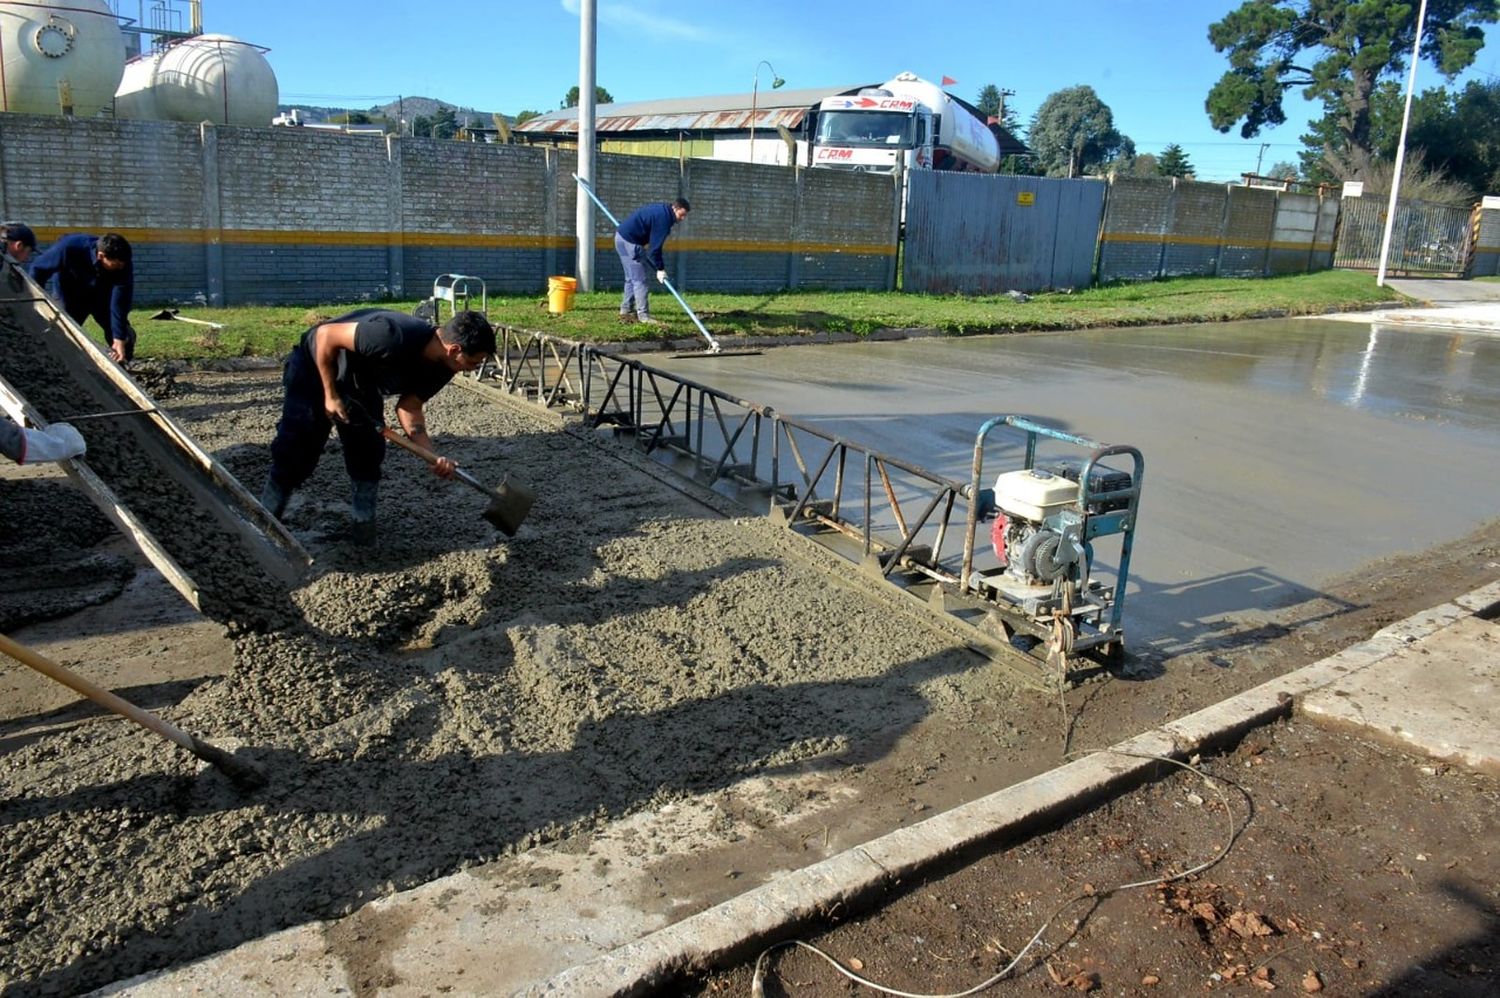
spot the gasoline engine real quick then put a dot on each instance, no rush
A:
(1045, 519)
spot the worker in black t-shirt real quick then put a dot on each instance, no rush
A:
(337, 377)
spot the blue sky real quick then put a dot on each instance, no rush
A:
(1149, 60)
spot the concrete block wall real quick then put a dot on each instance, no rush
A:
(1249, 222)
(1195, 230)
(847, 225)
(140, 179)
(1294, 233)
(1137, 212)
(1164, 228)
(233, 215)
(303, 216)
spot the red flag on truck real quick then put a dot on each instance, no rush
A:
(948, 81)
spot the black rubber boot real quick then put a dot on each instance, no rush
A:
(274, 498)
(362, 513)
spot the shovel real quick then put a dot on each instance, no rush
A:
(171, 313)
(244, 774)
(509, 504)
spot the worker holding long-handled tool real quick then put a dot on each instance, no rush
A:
(639, 240)
(337, 376)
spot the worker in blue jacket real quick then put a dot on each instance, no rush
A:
(92, 276)
(639, 241)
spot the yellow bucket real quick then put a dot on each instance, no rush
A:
(560, 294)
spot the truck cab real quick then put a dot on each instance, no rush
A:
(871, 132)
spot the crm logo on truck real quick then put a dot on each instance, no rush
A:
(872, 103)
(826, 153)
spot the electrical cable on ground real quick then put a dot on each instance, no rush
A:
(757, 980)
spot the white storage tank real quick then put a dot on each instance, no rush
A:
(215, 78)
(59, 58)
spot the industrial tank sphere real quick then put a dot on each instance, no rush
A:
(215, 78)
(64, 58)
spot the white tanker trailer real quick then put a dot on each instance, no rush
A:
(907, 120)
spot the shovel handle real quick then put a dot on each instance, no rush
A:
(238, 770)
(406, 443)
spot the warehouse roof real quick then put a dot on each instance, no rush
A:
(729, 111)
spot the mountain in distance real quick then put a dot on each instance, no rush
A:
(407, 107)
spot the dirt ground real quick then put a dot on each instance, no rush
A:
(1354, 870)
(452, 696)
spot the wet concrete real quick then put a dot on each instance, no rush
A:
(1280, 454)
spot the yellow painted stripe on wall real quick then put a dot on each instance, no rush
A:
(1487, 249)
(299, 237)
(1152, 237)
(735, 246)
(284, 237)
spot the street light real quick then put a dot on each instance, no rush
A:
(776, 82)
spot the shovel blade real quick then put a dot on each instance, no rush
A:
(508, 507)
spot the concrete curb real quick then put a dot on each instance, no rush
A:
(740, 927)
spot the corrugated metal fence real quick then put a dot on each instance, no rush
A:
(986, 234)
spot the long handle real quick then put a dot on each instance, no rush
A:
(713, 344)
(238, 770)
(107, 415)
(431, 458)
(589, 190)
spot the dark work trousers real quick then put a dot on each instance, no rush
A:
(633, 259)
(304, 426)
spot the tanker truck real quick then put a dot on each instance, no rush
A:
(906, 120)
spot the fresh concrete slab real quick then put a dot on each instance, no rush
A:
(1437, 696)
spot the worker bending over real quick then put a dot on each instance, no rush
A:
(639, 241)
(337, 377)
(92, 276)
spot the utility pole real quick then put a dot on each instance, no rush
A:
(1411, 85)
(584, 213)
(1261, 155)
(1004, 94)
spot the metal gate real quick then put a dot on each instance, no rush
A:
(1427, 238)
(977, 234)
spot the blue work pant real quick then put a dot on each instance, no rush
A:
(303, 430)
(637, 277)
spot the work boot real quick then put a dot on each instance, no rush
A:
(628, 318)
(362, 513)
(274, 498)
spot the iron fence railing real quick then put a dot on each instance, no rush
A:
(896, 514)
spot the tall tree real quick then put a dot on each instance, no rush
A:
(444, 122)
(1173, 162)
(1345, 47)
(1281, 171)
(1073, 133)
(991, 101)
(570, 99)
